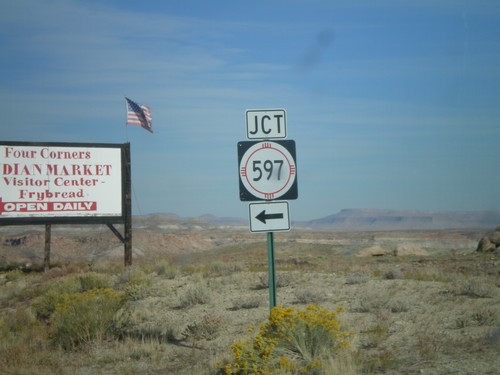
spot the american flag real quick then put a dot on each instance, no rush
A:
(139, 114)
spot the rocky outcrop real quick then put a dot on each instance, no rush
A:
(372, 251)
(400, 250)
(491, 243)
(410, 250)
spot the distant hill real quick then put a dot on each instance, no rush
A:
(379, 219)
(347, 219)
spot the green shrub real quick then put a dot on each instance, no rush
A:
(398, 306)
(482, 316)
(429, 345)
(198, 294)
(135, 283)
(207, 328)
(281, 279)
(476, 288)
(164, 268)
(55, 293)
(356, 278)
(301, 341)
(486, 316)
(308, 296)
(94, 280)
(134, 275)
(17, 321)
(14, 275)
(22, 338)
(393, 274)
(217, 269)
(84, 317)
(45, 305)
(372, 300)
(141, 321)
(214, 269)
(246, 303)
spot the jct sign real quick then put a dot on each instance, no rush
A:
(266, 123)
(267, 170)
(60, 180)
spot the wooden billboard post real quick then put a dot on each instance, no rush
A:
(46, 258)
(126, 239)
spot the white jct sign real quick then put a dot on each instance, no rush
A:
(266, 123)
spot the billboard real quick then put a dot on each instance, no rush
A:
(62, 182)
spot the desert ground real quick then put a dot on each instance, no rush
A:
(415, 302)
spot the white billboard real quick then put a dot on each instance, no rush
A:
(58, 181)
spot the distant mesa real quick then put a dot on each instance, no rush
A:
(379, 219)
(347, 220)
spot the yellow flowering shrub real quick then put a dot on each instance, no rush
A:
(296, 342)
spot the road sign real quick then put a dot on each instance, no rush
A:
(269, 217)
(267, 170)
(266, 123)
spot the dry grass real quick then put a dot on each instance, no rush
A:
(438, 314)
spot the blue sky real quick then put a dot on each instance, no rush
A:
(392, 104)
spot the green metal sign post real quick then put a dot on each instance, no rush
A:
(271, 270)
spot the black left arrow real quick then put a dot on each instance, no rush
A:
(263, 216)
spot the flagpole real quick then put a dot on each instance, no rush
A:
(126, 123)
(126, 135)
(127, 227)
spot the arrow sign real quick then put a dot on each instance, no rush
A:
(263, 216)
(269, 217)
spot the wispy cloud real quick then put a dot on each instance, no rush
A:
(366, 90)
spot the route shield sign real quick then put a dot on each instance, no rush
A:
(267, 170)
